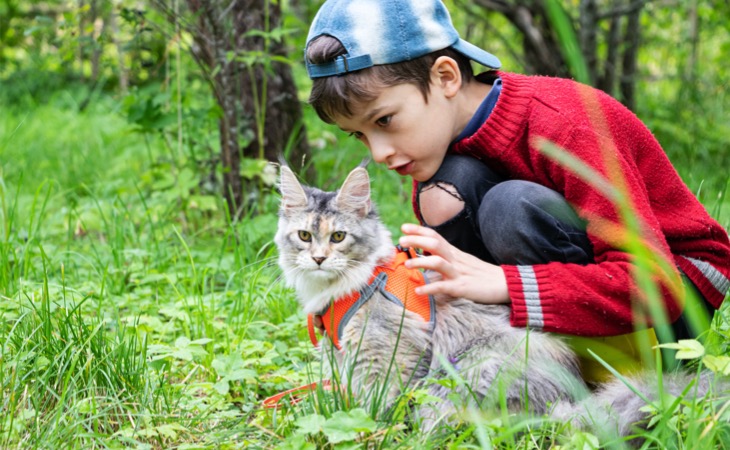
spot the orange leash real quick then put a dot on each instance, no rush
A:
(297, 394)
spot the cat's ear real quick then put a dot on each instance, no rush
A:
(292, 193)
(354, 194)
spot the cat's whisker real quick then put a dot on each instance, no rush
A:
(264, 261)
(278, 281)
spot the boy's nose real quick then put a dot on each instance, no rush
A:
(381, 152)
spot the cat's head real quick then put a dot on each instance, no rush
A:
(329, 242)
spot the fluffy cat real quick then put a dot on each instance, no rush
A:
(329, 244)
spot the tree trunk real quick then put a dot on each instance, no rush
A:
(541, 52)
(543, 55)
(80, 41)
(262, 116)
(629, 65)
(694, 38)
(607, 82)
(95, 40)
(587, 37)
(279, 117)
(114, 29)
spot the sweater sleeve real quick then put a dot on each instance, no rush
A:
(600, 299)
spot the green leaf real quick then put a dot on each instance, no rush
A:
(242, 374)
(686, 348)
(169, 430)
(445, 382)
(183, 353)
(345, 426)
(203, 202)
(251, 168)
(422, 397)
(296, 442)
(348, 446)
(42, 362)
(310, 424)
(182, 342)
(174, 313)
(717, 364)
(584, 441)
(222, 387)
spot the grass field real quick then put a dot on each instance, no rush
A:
(135, 315)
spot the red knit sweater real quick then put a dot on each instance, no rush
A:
(596, 299)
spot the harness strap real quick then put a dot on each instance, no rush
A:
(312, 333)
(394, 281)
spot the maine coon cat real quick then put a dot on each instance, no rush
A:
(330, 244)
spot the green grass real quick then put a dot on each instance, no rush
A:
(123, 303)
(134, 314)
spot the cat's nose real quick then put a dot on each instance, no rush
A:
(319, 259)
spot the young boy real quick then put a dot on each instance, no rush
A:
(502, 221)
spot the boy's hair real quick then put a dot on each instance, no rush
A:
(334, 95)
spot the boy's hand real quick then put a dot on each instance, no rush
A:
(463, 275)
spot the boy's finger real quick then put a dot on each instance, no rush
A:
(435, 288)
(413, 229)
(432, 262)
(426, 243)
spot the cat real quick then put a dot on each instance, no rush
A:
(330, 243)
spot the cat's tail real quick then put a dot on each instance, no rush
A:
(619, 408)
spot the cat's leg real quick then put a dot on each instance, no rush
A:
(466, 379)
(387, 350)
(482, 378)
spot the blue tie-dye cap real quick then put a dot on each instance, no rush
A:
(376, 32)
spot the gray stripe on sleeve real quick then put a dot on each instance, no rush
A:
(531, 290)
(714, 276)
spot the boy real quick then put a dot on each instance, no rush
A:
(502, 222)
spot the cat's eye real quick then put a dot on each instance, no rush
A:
(338, 236)
(304, 235)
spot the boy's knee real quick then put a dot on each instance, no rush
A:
(460, 182)
(513, 203)
(527, 223)
(502, 210)
(439, 202)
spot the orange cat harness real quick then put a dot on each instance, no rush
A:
(394, 281)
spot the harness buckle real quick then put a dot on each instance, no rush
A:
(407, 250)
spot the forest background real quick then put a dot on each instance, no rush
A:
(140, 305)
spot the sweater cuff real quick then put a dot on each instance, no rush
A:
(527, 292)
(710, 281)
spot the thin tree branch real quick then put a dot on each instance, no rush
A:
(587, 36)
(623, 10)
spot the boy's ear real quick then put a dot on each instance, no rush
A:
(446, 75)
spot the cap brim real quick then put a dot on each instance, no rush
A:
(475, 53)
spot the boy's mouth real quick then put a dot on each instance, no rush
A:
(404, 169)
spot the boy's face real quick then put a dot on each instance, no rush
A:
(403, 131)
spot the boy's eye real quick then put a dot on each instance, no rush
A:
(338, 236)
(306, 236)
(356, 134)
(383, 121)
